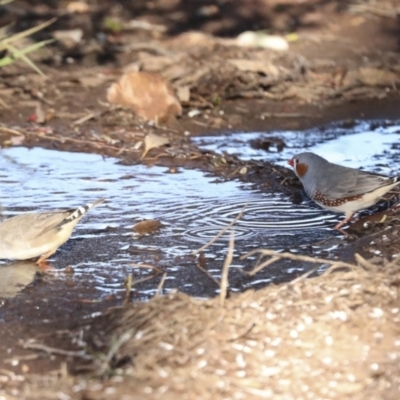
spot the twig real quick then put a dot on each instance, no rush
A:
(84, 119)
(116, 344)
(148, 266)
(276, 256)
(54, 350)
(393, 263)
(365, 263)
(160, 285)
(145, 279)
(258, 268)
(289, 115)
(245, 331)
(221, 232)
(12, 131)
(304, 276)
(4, 104)
(225, 269)
(28, 357)
(67, 139)
(128, 288)
(208, 274)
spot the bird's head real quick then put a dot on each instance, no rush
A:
(304, 163)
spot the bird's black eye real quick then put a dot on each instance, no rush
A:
(296, 160)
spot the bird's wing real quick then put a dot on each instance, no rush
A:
(32, 225)
(350, 182)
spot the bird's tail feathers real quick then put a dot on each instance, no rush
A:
(80, 211)
(393, 180)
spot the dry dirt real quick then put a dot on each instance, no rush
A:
(335, 336)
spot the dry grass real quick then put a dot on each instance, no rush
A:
(336, 336)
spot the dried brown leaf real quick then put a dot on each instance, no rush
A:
(147, 94)
(147, 226)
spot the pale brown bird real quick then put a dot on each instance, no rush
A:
(39, 234)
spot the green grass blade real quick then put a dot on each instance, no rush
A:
(26, 33)
(16, 54)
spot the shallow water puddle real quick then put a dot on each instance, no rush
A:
(192, 208)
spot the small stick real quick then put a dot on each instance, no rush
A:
(84, 119)
(225, 269)
(208, 274)
(288, 115)
(221, 232)
(28, 357)
(294, 257)
(148, 266)
(128, 288)
(145, 279)
(305, 275)
(365, 263)
(54, 350)
(97, 144)
(160, 285)
(12, 131)
(261, 266)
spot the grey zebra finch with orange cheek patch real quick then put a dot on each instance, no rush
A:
(337, 188)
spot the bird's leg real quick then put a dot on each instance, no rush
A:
(341, 223)
(42, 262)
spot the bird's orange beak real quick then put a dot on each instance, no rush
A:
(291, 162)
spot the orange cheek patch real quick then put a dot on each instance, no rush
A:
(301, 169)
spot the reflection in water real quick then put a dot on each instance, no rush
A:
(15, 277)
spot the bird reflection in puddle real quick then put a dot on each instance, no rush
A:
(16, 276)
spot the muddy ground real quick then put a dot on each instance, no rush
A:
(343, 63)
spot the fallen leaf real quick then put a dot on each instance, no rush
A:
(152, 141)
(147, 226)
(147, 94)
